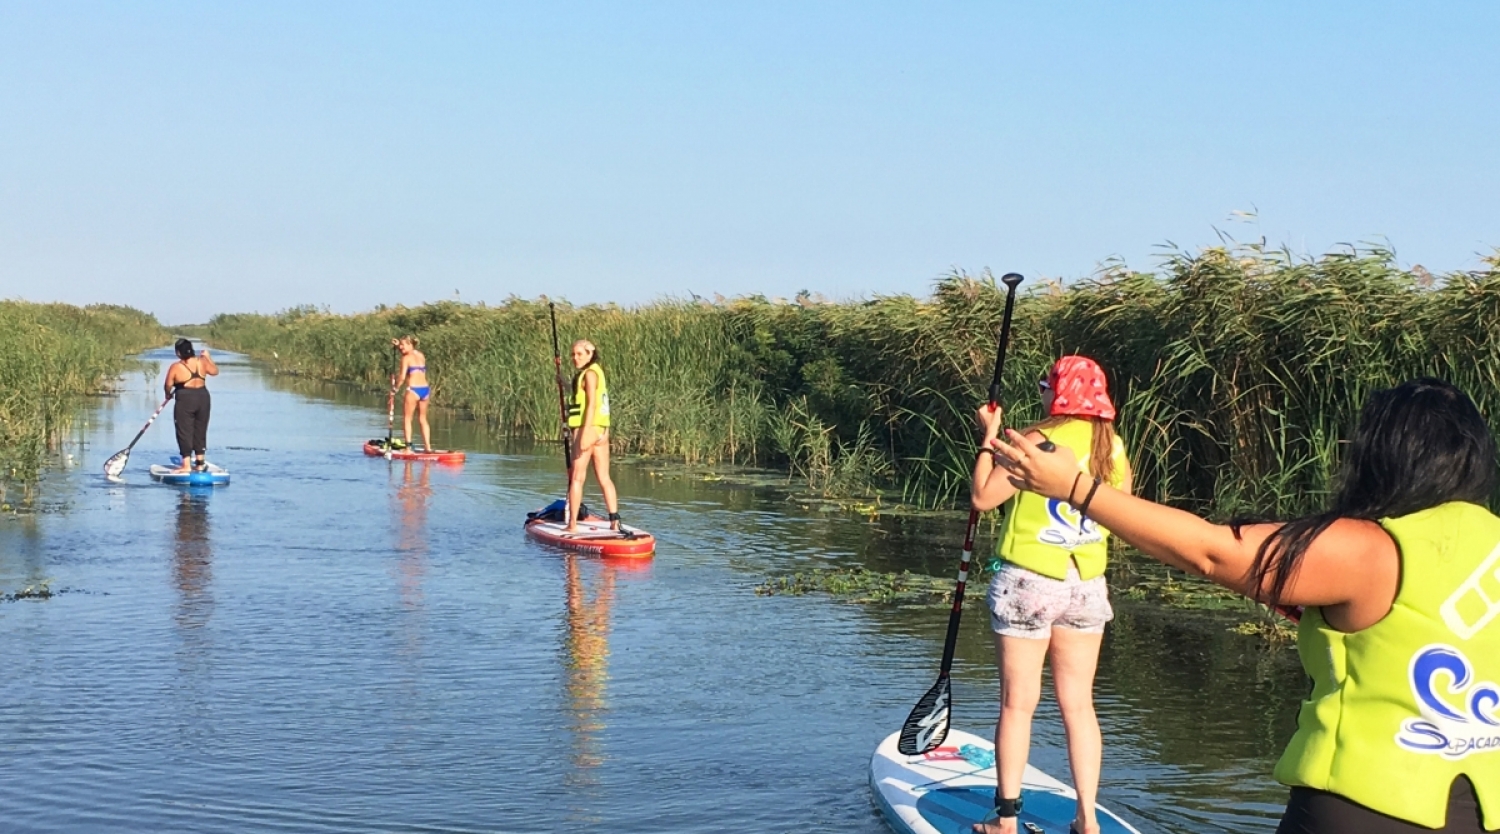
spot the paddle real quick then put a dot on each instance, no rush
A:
(562, 395)
(927, 725)
(390, 417)
(116, 463)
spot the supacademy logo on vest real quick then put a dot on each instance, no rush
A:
(1468, 724)
(1066, 528)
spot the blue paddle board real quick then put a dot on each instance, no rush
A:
(947, 790)
(215, 476)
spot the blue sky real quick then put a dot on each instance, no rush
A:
(195, 158)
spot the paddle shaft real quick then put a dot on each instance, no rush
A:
(562, 395)
(142, 432)
(390, 413)
(1011, 280)
(927, 724)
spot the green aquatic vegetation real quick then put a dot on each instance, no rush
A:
(1133, 576)
(1185, 592)
(52, 356)
(39, 590)
(861, 585)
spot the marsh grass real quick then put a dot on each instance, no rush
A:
(1238, 370)
(51, 357)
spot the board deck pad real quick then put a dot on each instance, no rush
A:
(947, 790)
(215, 476)
(376, 448)
(595, 536)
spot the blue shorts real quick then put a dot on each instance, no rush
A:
(421, 391)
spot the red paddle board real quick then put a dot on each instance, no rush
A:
(595, 536)
(376, 448)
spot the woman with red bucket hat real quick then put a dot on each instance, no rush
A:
(1048, 599)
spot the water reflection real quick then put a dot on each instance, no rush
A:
(193, 607)
(410, 499)
(587, 663)
(192, 564)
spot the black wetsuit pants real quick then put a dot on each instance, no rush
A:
(1321, 812)
(191, 417)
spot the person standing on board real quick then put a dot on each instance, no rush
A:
(1048, 600)
(588, 419)
(413, 372)
(1400, 579)
(186, 383)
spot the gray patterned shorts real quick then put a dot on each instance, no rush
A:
(1027, 604)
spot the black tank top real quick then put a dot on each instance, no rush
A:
(178, 386)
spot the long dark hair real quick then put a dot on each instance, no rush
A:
(184, 348)
(1418, 445)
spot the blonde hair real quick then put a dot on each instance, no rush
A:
(1101, 449)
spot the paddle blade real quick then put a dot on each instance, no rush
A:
(927, 725)
(116, 463)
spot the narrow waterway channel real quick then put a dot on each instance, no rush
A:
(338, 643)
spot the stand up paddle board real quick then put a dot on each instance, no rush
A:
(947, 790)
(215, 476)
(376, 448)
(593, 535)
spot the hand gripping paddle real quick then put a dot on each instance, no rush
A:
(927, 725)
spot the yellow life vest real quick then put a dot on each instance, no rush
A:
(1402, 708)
(580, 400)
(1045, 535)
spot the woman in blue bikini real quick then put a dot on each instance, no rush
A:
(414, 373)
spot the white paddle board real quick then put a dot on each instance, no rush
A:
(947, 790)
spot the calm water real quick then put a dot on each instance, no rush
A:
(338, 643)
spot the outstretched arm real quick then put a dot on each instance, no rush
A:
(1353, 565)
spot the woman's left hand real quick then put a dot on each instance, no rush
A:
(1051, 474)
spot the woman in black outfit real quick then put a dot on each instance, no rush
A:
(186, 382)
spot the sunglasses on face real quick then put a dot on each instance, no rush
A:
(1043, 385)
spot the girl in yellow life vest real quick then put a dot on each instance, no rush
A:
(588, 418)
(1048, 598)
(1400, 579)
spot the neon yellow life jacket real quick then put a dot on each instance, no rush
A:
(1045, 535)
(1402, 708)
(580, 400)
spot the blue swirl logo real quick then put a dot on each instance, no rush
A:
(1066, 528)
(1460, 716)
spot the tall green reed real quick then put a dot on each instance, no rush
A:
(51, 356)
(1237, 369)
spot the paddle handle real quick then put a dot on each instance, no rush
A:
(1011, 280)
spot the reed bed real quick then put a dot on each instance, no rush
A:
(1237, 370)
(51, 356)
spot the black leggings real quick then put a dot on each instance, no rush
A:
(1320, 812)
(191, 417)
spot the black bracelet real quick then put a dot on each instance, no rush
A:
(1083, 509)
(1074, 488)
